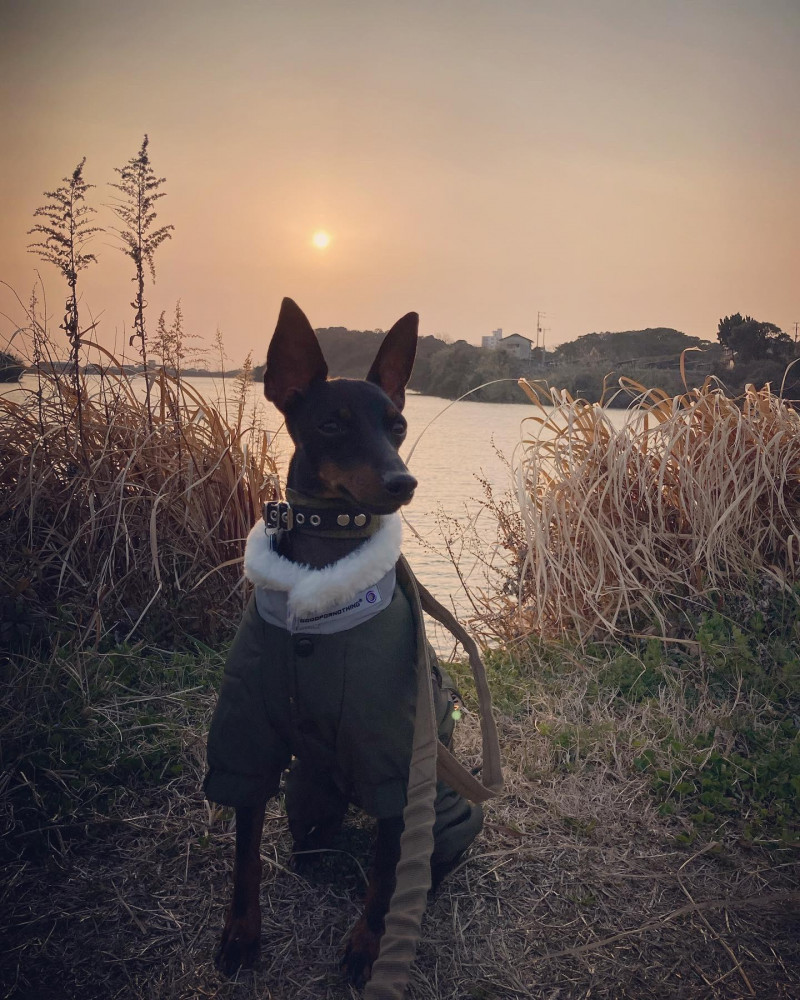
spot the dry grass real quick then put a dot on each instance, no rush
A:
(576, 888)
(127, 521)
(115, 871)
(622, 530)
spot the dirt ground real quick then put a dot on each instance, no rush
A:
(576, 889)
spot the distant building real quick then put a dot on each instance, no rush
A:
(521, 347)
(494, 340)
(517, 345)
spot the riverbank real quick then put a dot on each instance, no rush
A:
(646, 846)
(625, 860)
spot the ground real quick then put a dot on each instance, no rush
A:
(136, 913)
(582, 884)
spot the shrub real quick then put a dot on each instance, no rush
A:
(616, 528)
(134, 522)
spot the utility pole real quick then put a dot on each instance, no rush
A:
(540, 333)
(796, 324)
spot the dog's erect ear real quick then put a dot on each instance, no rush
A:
(294, 358)
(392, 366)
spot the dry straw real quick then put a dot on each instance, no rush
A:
(621, 527)
(99, 521)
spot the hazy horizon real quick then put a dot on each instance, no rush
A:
(616, 165)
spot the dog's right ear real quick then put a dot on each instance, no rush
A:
(294, 358)
(392, 366)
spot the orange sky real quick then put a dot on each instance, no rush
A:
(615, 163)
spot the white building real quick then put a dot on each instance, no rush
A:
(521, 347)
(494, 340)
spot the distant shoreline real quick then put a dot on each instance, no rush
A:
(64, 367)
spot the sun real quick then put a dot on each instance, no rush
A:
(321, 240)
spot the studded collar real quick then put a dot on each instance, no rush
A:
(322, 518)
(311, 591)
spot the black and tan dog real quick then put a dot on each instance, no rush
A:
(320, 677)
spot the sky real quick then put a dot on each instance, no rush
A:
(614, 164)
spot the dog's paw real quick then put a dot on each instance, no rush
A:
(360, 954)
(240, 943)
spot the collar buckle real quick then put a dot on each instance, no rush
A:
(278, 515)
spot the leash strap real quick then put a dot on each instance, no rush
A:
(391, 970)
(450, 770)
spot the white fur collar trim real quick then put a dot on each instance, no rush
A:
(310, 591)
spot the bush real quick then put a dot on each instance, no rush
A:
(641, 527)
(11, 367)
(132, 523)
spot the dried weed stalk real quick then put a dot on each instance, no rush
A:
(140, 515)
(617, 528)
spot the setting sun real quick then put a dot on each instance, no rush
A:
(321, 239)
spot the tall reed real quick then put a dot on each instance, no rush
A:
(132, 523)
(636, 529)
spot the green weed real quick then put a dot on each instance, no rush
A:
(87, 733)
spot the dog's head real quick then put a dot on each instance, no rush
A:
(346, 432)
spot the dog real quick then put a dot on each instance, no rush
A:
(320, 677)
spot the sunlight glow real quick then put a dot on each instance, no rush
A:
(321, 239)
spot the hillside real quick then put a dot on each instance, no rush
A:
(627, 345)
(651, 357)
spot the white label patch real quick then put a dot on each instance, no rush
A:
(272, 606)
(367, 598)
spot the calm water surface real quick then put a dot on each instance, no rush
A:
(453, 445)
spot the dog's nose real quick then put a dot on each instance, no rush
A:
(399, 485)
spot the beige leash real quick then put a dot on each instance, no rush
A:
(403, 921)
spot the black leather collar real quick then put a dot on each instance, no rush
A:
(324, 518)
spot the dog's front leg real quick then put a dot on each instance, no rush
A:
(365, 938)
(241, 935)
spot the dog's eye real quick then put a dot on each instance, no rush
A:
(399, 428)
(331, 427)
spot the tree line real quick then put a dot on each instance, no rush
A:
(589, 367)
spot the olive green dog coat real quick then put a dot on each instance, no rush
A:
(343, 705)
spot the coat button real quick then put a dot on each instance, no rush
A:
(303, 646)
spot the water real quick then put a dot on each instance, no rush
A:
(453, 445)
(461, 442)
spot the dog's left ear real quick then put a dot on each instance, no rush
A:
(392, 366)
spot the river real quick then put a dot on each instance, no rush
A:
(451, 445)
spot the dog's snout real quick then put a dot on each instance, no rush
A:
(399, 485)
